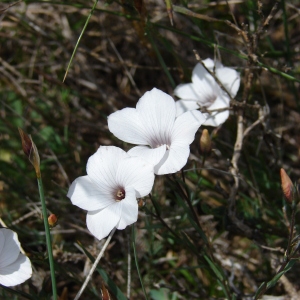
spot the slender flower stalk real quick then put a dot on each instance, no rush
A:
(31, 152)
(48, 237)
(88, 278)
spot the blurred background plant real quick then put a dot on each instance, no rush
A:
(236, 236)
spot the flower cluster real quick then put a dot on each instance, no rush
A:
(163, 130)
(205, 92)
(15, 267)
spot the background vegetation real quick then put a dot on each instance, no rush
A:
(129, 47)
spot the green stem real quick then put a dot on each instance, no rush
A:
(136, 261)
(79, 39)
(48, 236)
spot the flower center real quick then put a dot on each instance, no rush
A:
(210, 99)
(120, 195)
(167, 146)
(158, 141)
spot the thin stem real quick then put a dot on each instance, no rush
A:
(202, 163)
(136, 262)
(129, 268)
(288, 257)
(188, 200)
(95, 265)
(292, 224)
(48, 236)
(79, 39)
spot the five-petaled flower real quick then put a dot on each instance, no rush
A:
(15, 267)
(109, 190)
(205, 92)
(164, 139)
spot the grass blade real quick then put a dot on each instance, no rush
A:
(79, 39)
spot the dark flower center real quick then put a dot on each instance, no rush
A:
(210, 99)
(120, 195)
(159, 141)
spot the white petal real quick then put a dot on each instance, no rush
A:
(11, 248)
(152, 156)
(2, 242)
(186, 91)
(202, 80)
(212, 64)
(186, 125)
(221, 101)
(127, 126)
(205, 86)
(136, 173)
(183, 106)
(102, 167)
(230, 79)
(174, 159)
(86, 195)
(216, 118)
(129, 208)
(157, 111)
(101, 222)
(209, 63)
(16, 272)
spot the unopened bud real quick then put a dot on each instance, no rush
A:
(30, 151)
(52, 220)
(287, 186)
(205, 143)
(105, 292)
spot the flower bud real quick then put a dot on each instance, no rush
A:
(287, 186)
(52, 220)
(205, 143)
(30, 151)
(104, 292)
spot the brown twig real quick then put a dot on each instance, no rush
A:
(251, 44)
(10, 5)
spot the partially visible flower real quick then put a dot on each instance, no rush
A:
(109, 190)
(164, 139)
(205, 92)
(15, 267)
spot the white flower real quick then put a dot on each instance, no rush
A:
(109, 190)
(15, 267)
(204, 91)
(164, 139)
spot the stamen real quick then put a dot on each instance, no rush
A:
(167, 146)
(120, 195)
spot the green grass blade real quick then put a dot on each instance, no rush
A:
(214, 268)
(48, 237)
(136, 262)
(79, 39)
(18, 293)
(159, 56)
